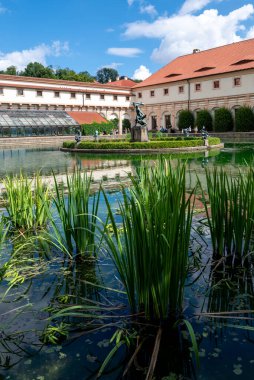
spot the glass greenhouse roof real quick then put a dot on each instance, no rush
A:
(26, 118)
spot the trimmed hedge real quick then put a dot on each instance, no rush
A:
(204, 118)
(223, 120)
(89, 129)
(244, 119)
(140, 145)
(185, 119)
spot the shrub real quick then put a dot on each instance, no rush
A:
(69, 144)
(89, 129)
(204, 118)
(244, 119)
(223, 120)
(126, 125)
(186, 119)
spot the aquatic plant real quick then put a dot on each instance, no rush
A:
(28, 201)
(150, 252)
(229, 205)
(77, 210)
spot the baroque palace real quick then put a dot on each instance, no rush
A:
(210, 79)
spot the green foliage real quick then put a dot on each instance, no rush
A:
(105, 74)
(115, 122)
(229, 205)
(37, 70)
(223, 120)
(68, 74)
(89, 129)
(139, 145)
(185, 119)
(151, 254)
(77, 212)
(55, 334)
(69, 144)
(244, 119)
(126, 125)
(28, 202)
(204, 118)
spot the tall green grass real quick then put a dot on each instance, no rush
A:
(229, 205)
(77, 210)
(150, 252)
(28, 201)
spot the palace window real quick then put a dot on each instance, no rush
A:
(1, 91)
(181, 89)
(198, 87)
(73, 95)
(57, 94)
(152, 93)
(20, 91)
(139, 95)
(216, 84)
(39, 93)
(115, 97)
(127, 98)
(165, 91)
(102, 96)
(237, 81)
(88, 96)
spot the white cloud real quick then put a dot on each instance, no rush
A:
(130, 2)
(20, 59)
(113, 65)
(124, 52)
(141, 73)
(149, 9)
(110, 30)
(190, 6)
(181, 33)
(250, 33)
(2, 9)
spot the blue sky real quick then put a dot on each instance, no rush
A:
(136, 37)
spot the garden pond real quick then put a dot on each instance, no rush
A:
(219, 304)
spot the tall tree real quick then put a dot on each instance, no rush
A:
(105, 74)
(36, 69)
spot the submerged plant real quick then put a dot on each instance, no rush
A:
(28, 201)
(150, 252)
(77, 210)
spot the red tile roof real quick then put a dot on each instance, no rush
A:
(224, 59)
(87, 117)
(122, 83)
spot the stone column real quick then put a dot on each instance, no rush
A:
(120, 125)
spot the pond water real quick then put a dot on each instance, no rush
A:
(225, 342)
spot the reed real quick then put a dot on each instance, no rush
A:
(229, 206)
(77, 210)
(28, 201)
(150, 252)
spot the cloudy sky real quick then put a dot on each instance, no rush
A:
(136, 37)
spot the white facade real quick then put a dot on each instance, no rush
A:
(111, 101)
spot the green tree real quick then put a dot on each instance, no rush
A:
(204, 118)
(37, 70)
(105, 74)
(244, 119)
(115, 122)
(223, 120)
(126, 125)
(85, 76)
(11, 70)
(185, 119)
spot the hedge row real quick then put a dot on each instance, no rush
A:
(223, 120)
(90, 129)
(140, 145)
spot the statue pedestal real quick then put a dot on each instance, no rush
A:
(139, 134)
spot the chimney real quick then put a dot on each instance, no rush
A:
(125, 78)
(195, 51)
(118, 78)
(109, 80)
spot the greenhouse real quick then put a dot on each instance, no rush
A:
(20, 123)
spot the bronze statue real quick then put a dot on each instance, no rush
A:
(140, 116)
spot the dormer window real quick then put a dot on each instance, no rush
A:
(172, 75)
(204, 68)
